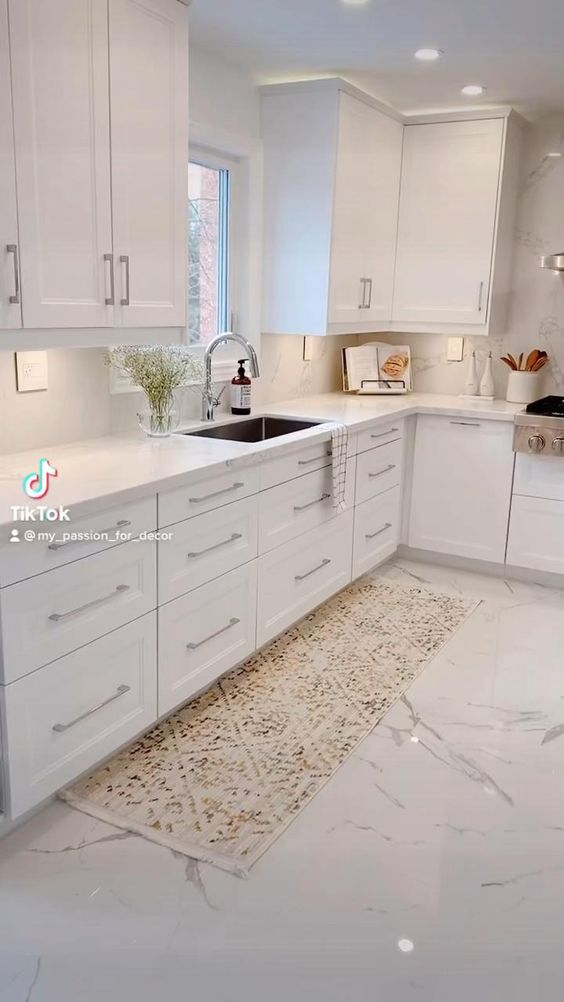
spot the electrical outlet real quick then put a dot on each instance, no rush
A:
(308, 349)
(455, 349)
(31, 371)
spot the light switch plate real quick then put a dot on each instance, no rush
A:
(31, 371)
(455, 349)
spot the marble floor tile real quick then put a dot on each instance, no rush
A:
(430, 868)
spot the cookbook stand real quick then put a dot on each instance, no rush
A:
(382, 387)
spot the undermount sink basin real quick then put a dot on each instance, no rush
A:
(258, 429)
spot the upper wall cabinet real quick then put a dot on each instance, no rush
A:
(101, 138)
(332, 172)
(10, 300)
(457, 204)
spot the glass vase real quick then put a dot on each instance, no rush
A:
(159, 419)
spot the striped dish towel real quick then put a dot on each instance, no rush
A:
(339, 450)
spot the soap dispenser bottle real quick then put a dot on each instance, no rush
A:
(241, 390)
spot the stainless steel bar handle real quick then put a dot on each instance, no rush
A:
(15, 299)
(121, 691)
(468, 424)
(59, 617)
(216, 494)
(362, 304)
(382, 434)
(232, 622)
(122, 524)
(111, 299)
(124, 260)
(369, 303)
(480, 297)
(316, 459)
(304, 507)
(216, 546)
(384, 528)
(302, 577)
(380, 473)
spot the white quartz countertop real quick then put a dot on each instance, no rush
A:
(114, 469)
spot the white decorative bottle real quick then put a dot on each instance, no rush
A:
(487, 384)
(472, 381)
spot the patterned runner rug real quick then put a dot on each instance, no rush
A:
(223, 777)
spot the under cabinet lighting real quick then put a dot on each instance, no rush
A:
(473, 90)
(428, 55)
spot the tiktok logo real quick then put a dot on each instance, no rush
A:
(36, 485)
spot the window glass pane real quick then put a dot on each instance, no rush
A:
(208, 195)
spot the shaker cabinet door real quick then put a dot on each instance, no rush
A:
(59, 51)
(447, 221)
(10, 298)
(149, 131)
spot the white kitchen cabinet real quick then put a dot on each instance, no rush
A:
(461, 489)
(65, 718)
(364, 215)
(332, 168)
(457, 206)
(149, 138)
(10, 299)
(536, 534)
(60, 71)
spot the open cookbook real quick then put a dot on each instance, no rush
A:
(377, 368)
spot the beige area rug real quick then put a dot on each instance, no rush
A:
(223, 777)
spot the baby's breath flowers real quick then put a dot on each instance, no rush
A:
(158, 370)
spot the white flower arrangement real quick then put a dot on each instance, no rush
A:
(158, 370)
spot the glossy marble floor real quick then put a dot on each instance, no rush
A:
(431, 868)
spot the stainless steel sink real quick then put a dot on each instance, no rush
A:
(258, 429)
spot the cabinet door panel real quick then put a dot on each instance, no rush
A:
(149, 100)
(61, 114)
(365, 214)
(462, 479)
(447, 221)
(10, 313)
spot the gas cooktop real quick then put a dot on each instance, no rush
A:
(540, 428)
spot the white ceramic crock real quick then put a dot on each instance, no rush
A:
(523, 387)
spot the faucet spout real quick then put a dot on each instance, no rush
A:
(209, 401)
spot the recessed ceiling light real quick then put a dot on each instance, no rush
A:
(473, 90)
(354, 3)
(428, 55)
(554, 154)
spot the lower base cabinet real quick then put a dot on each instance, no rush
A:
(71, 714)
(376, 531)
(536, 535)
(297, 577)
(204, 634)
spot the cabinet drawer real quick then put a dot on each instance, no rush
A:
(376, 531)
(378, 470)
(99, 531)
(204, 634)
(63, 719)
(381, 434)
(204, 547)
(206, 494)
(292, 508)
(297, 577)
(536, 535)
(296, 464)
(53, 614)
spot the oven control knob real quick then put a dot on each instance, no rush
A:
(537, 443)
(558, 446)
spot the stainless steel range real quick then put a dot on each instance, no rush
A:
(540, 429)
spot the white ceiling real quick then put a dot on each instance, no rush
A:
(515, 48)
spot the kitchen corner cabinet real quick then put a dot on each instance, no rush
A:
(461, 487)
(332, 171)
(10, 308)
(457, 209)
(100, 125)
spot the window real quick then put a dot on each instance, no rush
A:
(209, 208)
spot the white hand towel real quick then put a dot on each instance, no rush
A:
(339, 448)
